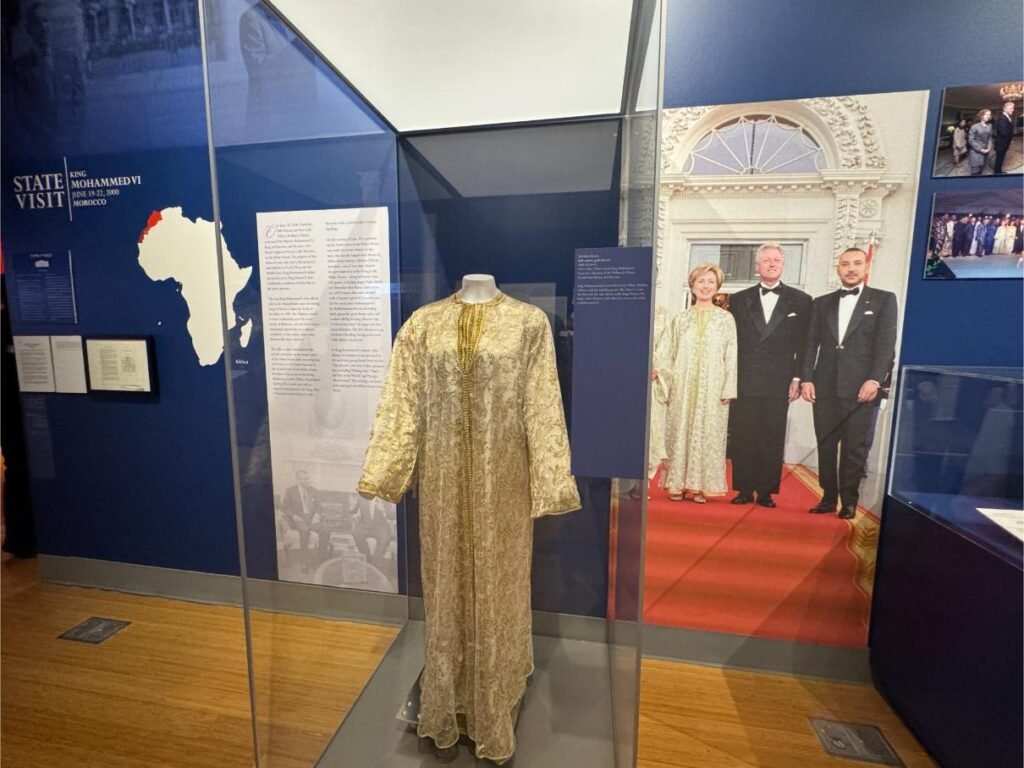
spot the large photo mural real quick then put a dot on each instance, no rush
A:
(784, 242)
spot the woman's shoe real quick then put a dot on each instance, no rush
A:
(676, 497)
(699, 498)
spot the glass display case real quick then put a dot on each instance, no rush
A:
(958, 452)
(948, 588)
(339, 229)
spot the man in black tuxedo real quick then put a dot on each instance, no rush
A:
(1002, 135)
(850, 350)
(771, 334)
(962, 230)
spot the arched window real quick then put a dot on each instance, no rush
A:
(755, 144)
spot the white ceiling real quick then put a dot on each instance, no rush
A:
(443, 63)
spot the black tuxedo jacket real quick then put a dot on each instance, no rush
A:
(769, 355)
(839, 368)
(958, 231)
(291, 504)
(1002, 131)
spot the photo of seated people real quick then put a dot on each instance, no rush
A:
(335, 538)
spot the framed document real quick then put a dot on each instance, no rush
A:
(119, 364)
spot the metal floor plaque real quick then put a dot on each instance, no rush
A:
(94, 630)
(854, 742)
(410, 711)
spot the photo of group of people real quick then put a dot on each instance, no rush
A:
(777, 317)
(335, 538)
(976, 234)
(981, 131)
(727, 378)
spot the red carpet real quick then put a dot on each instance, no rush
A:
(776, 573)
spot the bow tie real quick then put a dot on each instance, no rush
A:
(843, 292)
(777, 290)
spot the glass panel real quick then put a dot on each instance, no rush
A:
(311, 183)
(306, 177)
(628, 514)
(515, 203)
(958, 453)
(131, 493)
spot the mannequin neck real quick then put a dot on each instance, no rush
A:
(477, 289)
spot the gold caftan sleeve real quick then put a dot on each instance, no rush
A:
(729, 359)
(552, 486)
(665, 350)
(394, 442)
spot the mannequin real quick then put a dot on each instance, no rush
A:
(476, 289)
(471, 413)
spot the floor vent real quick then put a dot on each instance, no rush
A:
(94, 630)
(855, 741)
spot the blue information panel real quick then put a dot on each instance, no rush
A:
(610, 369)
(44, 286)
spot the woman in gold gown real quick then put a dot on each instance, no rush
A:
(695, 373)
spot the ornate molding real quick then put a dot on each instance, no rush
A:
(844, 232)
(853, 130)
(661, 236)
(712, 188)
(846, 121)
(869, 207)
(623, 214)
(676, 124)
(776, 185)
(857, 179)
(643, 151)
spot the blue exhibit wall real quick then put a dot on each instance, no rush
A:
(733, 51)
(147, 479)
(516, 202)
(129, 478)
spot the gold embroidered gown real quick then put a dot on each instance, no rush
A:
(696, 362)
(471, 405)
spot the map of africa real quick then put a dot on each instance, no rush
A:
(174, 247)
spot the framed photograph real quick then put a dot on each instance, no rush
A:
(976, 235)
(981, 128)
(120, 364)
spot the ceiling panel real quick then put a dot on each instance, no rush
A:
(442, 63)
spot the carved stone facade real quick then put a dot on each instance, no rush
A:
(636, 187)
(856, 177)
(675, 132)
(850, 124)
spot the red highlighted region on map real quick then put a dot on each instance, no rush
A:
(152, 221)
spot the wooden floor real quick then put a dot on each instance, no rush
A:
(172, 690)
(704, 717)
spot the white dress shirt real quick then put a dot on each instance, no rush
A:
(846, 306)
(768, 300)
